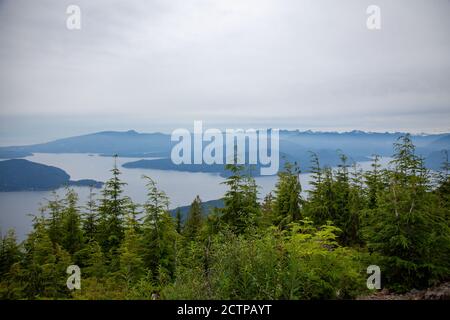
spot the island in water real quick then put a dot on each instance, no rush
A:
(24, 175)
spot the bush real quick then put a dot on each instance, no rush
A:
(301, 262)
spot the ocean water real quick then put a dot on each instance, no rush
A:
(16, 208)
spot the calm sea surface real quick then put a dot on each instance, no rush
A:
(181, 187)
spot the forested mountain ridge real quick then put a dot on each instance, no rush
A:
(128, 143)
(24, 175)
(206, 208)
(294, 146)
(284, 247)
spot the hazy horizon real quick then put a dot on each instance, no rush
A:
(24, 138)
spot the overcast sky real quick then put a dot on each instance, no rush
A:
(155, 65)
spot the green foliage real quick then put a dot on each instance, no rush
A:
(318, 206)
(337, 196)
(318, 268)
(131, 263)
(9, 253)
(55, 208)
(95, 263)
(90, 218)
(107, 288)
(159, 233)
(10, 256)
(408, 226)
(72, 239)
(301, 262)
(374, 182)
(287, 203)
(443, 185)
(43, 271)
(241, 210)
(112, 209)
(194, 220)
(287, 247)
(267, 212)
(179, 223)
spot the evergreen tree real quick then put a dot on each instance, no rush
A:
(72, 234)
(90, 218)
(159, 232)
(241, 209)
(287, 204)
(374, 182)
(318, 204)
(179, 225)
(251, 205)
(402, 212)
(357, 205)
(337, 196)
(45, 264)
(443, 183)
(342, 216)
(194, 220)
(267, 216)
(407, 227)
(55, 209)
(9, 253)
(233, 212)
(348, 202)
(96, 261)
(131, 263)
(111, 212)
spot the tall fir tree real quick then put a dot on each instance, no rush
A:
(407, 227)
(55, 209)
(9, 253)
(112, 209)
(95, 263)
(443, 184)
(179, 223)
(159, 232)
(241, 209)
(194, 220)
(44, 266)
(131, 263)
(317, 207)
(374, 182)
(287, 204)
(90, 218)
(267, 215)
(72, 240)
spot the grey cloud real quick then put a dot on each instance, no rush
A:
(288, 63)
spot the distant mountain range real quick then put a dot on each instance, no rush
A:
(207, 206)
(129, 144)
(294, 146)
(24, 175)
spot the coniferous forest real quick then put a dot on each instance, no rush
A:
(285, 246)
